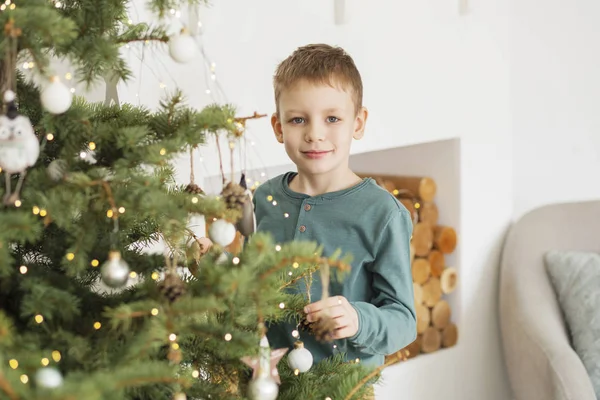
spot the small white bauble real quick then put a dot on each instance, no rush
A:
(182, 47)
(56, 97)
(263, 388)
(222, 232)
(300, 358)
(179, 396)
(115, 271)
(48, 378)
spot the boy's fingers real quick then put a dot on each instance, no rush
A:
(329, 302)
(333, 312)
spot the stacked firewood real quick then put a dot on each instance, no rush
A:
(433, 279)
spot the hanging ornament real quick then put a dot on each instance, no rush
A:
(182, 47)
(265, 376)
(179, 396)
(57, 170)
(172, 287)
(247, 222)
(115, 271)
(48, 377)
(19, 147)
(222, 232)
(234, 196)
(300, 358)
(56, 97)
(324, 328)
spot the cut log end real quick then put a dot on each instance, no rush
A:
(437, 262)
(418, 293)
(428, 213)
(440, 314)
(421, 270)
(431, 340)
(449, 280)
(444, 239)
(432, 292)
(450, 335)
(422, 239)
(423, 318)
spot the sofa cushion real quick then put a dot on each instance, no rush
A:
(575, 276)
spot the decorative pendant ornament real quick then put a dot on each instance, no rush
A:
(222, 232)
(115, 271)
(265, 377)
(57, 170)
(300, 359)
(48, 378)
(56, 97)
(247, 223)
(182, 47)
(19, 147)
(172, 287)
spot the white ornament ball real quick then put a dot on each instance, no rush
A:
(300, 358)
(48, 378)
(56, 97)
(182, 47)
(222, 232)
(115, 271)
(263, 388)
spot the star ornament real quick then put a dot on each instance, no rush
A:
(265, 364)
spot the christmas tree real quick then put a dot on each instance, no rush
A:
(87, 311)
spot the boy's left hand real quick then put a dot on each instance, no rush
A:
(340, 310)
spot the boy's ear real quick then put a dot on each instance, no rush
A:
(360, 123)
(276, 124)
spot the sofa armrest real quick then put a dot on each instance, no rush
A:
(540, 360)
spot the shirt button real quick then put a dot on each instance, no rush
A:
(302, 228)
(307, 207)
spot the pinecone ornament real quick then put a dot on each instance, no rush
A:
(172, 287)
(323, 329)
(234, 195)
(194, 189)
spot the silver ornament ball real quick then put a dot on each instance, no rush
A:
(48, 377)
(300, 358)
(263, 388)
(222, 232)
(182, 47)
(115, 271)
(56, 97)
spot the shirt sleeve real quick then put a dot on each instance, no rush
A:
(388, 322)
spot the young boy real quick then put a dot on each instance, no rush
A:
(319, 111)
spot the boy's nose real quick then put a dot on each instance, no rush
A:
(314, 134)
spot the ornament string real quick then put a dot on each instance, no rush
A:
(192, 177)
(220, 158)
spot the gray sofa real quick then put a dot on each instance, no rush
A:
(540, 361)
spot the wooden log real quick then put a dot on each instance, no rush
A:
(422, 239)
(386, 184)
(444, 238)
(418, 293)
(410, 206)
(428, 212)
(450, 335)
(413, 349)
(449, 280)
(440, 314)
(431, 340)
(432, 292)
(421, 270)
(437, 261)
(422, 187)
(423, 318)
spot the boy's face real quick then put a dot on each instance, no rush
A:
(317, 123)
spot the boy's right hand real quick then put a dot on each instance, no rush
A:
(205, 245)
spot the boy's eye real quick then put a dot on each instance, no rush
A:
(297, 120)
(332, 119)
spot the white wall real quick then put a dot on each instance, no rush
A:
(429, 74)
(555, 98)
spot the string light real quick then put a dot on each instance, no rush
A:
(45, 362)
(194, 200)
(43, 213)
(23, 269)
(235, 260)
(281, 305)
(295, 265)
(50, 137)
(274, 202)
(24, 378)
(154, 276)
(195, 373)
(172, 337)
(133, 274)
(68, 76)
(122, 210)
(269, 198)
(95, 263)
(228, 337)
(39, 318)
(56, 355)
(296, 372)
(163, 151)
(13, 6)
(286, 215)
(154, 311)
(18, 203)
(36, 210)
(295, 334)
(72, 90)
(175, 346)
(92, 146)
(277, 248)
(14, 364)
(70, 256)
(109, 213)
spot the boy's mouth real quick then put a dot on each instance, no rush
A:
(314, 154)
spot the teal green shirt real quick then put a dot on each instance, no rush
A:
(368, 222)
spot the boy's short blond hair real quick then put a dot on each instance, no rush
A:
(321, 64)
